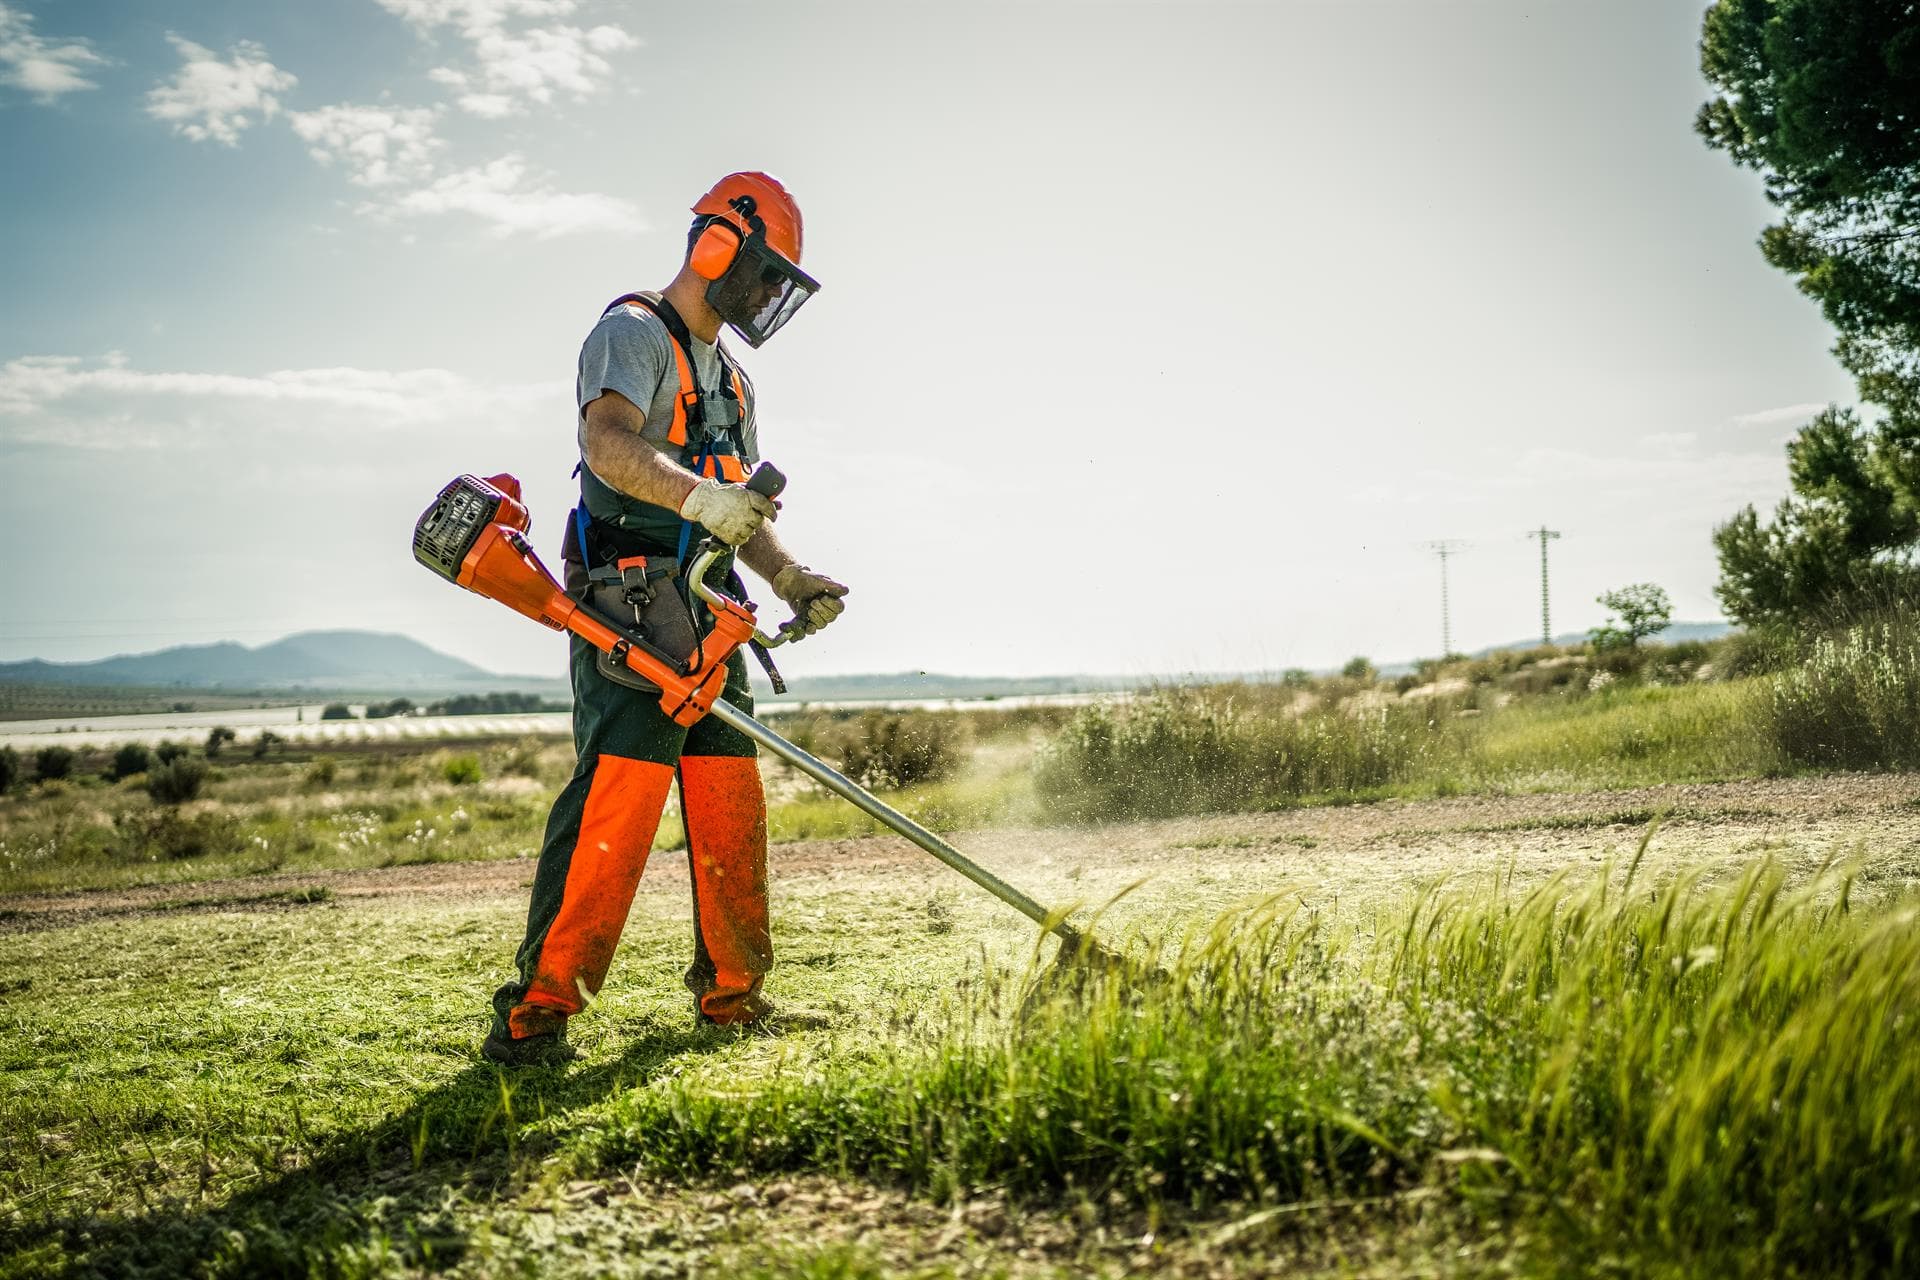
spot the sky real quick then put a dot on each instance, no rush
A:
(1152, 338)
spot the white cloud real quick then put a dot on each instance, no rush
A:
(212, 100)
(499, 194)
(104, 404)
(378, 146)
(1796, 413)
(515, 66)
(433, 13)
(46, 69)
(397, 148)
(535, 63)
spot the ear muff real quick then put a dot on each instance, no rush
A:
(714, 251)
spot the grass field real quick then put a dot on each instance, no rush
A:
(1531, 1071)
(1479, 1028)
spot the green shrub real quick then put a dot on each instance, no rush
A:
(1853, 699)
(321, 773)
(885, 750)
(1644, 611)
(52, 762)
(169, 834)
(177, 781)
(1755, 651)
(490, 704)
(9, 768)
(169, 751)
(1565, 675)
(383, 710)
(522, 758)
(130, 759)
(218, 738)
(336, 711)
(1361, 669)
(461, 771)
(1197, 750)
(264, 743)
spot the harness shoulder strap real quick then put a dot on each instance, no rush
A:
(624, 299)
(653, 302)
(688, 401)
(733, 385)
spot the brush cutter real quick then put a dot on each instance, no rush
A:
(475, 535)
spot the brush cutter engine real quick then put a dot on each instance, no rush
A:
(446, 532)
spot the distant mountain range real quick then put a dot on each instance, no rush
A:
(905, 686)
(318, 660)
(1675, 633)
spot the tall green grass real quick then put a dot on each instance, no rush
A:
(1631, 736)
(1843, 699)
(1192, 750)
(1242, 747)
(1853, 701)
(1650, 1078)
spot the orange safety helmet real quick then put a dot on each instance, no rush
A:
(749, 248)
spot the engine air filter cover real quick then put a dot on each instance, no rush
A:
(447, 530)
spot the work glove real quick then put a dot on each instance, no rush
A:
(733, 513)
(813, 597)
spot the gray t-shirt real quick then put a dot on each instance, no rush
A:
(630, 351)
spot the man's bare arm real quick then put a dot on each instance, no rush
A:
(617, 454)
(765, 554)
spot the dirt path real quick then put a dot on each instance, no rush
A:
(1355, 849)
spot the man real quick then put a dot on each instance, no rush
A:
(667, 436)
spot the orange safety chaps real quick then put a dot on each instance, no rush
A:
(726, 816)
(575, 919)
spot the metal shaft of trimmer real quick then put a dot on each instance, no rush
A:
(838, 783)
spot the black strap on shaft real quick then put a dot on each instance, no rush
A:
(766, 662)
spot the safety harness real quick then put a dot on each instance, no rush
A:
(708, 428)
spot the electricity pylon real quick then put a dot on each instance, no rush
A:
(1545, 535)
(1443, 548)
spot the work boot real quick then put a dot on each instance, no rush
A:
(548, 1049)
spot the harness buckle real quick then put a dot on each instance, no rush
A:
(631, 574)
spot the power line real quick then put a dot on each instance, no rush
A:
(1443, 548)
(1545, 535)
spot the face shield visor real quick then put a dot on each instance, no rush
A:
(760, 292)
